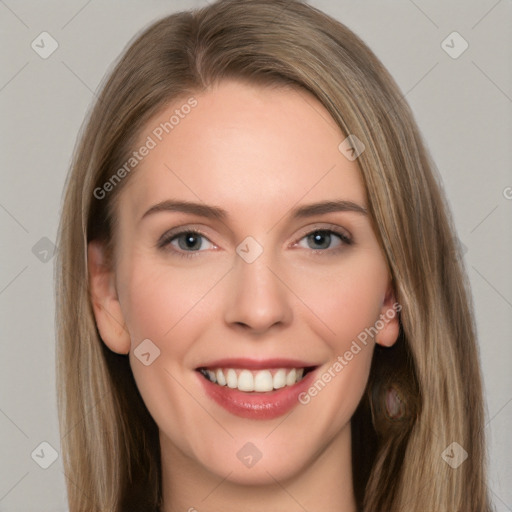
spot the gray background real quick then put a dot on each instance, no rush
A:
(462, 105)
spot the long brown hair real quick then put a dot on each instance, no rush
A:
(109, 440)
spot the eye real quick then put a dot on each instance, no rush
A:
(187, 241)
(322, 239)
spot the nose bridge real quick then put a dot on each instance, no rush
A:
(257, 297)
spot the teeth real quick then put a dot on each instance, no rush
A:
(280, 379)
(291, 377)
(259, 380)
(245, 381)
(220, 378)
(232, 379)
(263, 381)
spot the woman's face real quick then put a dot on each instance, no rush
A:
(268, 288)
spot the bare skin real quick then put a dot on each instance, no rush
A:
(257, 153)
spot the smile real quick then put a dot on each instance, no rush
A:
(246, 380)
(256, 389)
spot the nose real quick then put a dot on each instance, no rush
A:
(258, 298)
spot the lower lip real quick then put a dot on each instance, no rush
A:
(255, 405)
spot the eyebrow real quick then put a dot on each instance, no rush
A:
(215, 212)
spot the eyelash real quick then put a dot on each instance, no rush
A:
(167, 238)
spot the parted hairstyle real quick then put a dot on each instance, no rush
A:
(109, 440)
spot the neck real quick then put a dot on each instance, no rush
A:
(324, 484)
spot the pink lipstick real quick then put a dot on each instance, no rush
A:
(256, 389)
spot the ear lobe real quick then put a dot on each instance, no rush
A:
(388, 323)
(105, 303)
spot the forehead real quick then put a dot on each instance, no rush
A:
(249, 148)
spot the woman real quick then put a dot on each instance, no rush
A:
(260, 302)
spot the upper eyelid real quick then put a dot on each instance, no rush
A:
(318, 226)
(326, 226)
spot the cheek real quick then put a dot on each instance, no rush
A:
(167, 305)
(341, 302)
(346, 308)
(158, 300)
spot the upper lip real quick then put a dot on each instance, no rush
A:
(256, 364)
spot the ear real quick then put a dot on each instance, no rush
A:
(107, 310)
(388, 323)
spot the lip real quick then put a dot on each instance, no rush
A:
(256, 364)
(257, 405)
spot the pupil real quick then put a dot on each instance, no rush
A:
(189, 241)
(322, 235)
